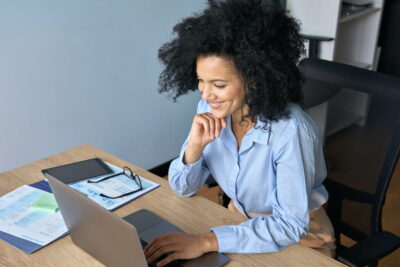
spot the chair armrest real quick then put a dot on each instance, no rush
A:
(313, 43)
(370, 249)
(342, 191)
(316, 38)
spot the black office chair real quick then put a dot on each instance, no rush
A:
(357, 196)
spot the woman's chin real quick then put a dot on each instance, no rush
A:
(218, 114)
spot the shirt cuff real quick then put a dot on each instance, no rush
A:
(181, 175)
(227, 240)
(186, 168)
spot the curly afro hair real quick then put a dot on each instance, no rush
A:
(261, 41)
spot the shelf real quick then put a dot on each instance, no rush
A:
(339, 119)
(355, 15)
(354, 63)
(355, 30)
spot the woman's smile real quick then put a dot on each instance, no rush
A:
(216, 105)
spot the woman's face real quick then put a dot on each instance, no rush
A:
(221, 86)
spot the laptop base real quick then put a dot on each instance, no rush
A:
(150, 226)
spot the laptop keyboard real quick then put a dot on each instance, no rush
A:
(175, 263)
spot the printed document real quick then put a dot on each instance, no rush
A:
(114, 186)
(18, 219)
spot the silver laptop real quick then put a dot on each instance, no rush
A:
(110, 239)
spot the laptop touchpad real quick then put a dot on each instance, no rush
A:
(162, 228)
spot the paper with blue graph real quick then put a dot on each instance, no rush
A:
(113, 187)
(18, 219)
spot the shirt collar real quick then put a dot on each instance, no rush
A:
(261, 132)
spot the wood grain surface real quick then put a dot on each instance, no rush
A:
(193, 215)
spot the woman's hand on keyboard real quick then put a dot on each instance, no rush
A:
(180, 246)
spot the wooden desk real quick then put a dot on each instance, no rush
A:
(192, 215)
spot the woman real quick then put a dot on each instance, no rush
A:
(249, 133)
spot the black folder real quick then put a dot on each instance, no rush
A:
(78, 171)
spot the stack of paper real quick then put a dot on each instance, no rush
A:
(29, 218)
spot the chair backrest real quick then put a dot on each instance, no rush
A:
(363, 164)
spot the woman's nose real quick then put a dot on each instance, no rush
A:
(206, 94)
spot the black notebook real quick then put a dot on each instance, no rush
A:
(78, 171)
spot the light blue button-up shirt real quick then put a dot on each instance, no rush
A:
(278, 172)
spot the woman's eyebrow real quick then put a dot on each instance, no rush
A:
(214, 80)
(218, 80)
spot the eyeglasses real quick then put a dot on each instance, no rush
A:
(127, 172)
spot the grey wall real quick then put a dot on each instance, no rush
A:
(85, 71)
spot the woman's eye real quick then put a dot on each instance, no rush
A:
(219, 85)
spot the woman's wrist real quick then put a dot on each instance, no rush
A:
(210, 242)
(192, 153)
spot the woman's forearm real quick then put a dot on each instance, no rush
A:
(192, 153)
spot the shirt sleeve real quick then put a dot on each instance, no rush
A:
(288, 223)
(186, 179)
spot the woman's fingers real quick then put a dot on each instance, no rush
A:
(179, 246)
(158, 247)
(170, 258)
(218, 124)
(162, 245)
(163, 250)
(212, 123)
(205, 123)
(155, 244)
(218, 127)
(206, 128)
